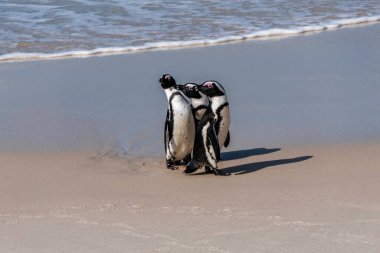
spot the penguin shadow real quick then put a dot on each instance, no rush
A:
(253, 167)
(240, 154)
(256, 166)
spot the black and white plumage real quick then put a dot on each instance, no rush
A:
(179, 125)
(199, 101)
(206, 147)
(220, 107)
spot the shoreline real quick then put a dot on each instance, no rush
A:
(270, 34)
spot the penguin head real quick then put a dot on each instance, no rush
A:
(212, 89)
(167, 81)
(190, 90)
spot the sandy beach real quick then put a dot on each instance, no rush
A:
(81, 152)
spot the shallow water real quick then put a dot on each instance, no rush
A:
(66, 28)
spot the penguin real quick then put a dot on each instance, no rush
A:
(199, 105)
(179, 124)
(199, 101)
(220, 107)
(206, 146)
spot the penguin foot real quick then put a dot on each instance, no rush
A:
(208, 169)
(190, 168)
(186, 160)
(171, 165)
(218, 172)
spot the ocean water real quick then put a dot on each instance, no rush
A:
(55, 28)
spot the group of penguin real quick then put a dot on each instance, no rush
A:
(195, 128)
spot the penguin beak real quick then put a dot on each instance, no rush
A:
(160, 80)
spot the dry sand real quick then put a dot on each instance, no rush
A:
(277, 201)
(304, 153)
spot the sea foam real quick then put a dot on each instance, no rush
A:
(167, 45)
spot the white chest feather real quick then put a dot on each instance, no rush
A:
(199, 113)
(200, 102)
(209, 150)
(222, 113)
(216, 102)
(183, 132)
(203, 101)
(224, 125)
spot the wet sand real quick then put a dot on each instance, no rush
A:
(82, 170)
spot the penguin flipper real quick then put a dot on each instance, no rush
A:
(214, 142)
(166, 131)
(227, 141)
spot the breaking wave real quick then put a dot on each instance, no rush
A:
(167, 45)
